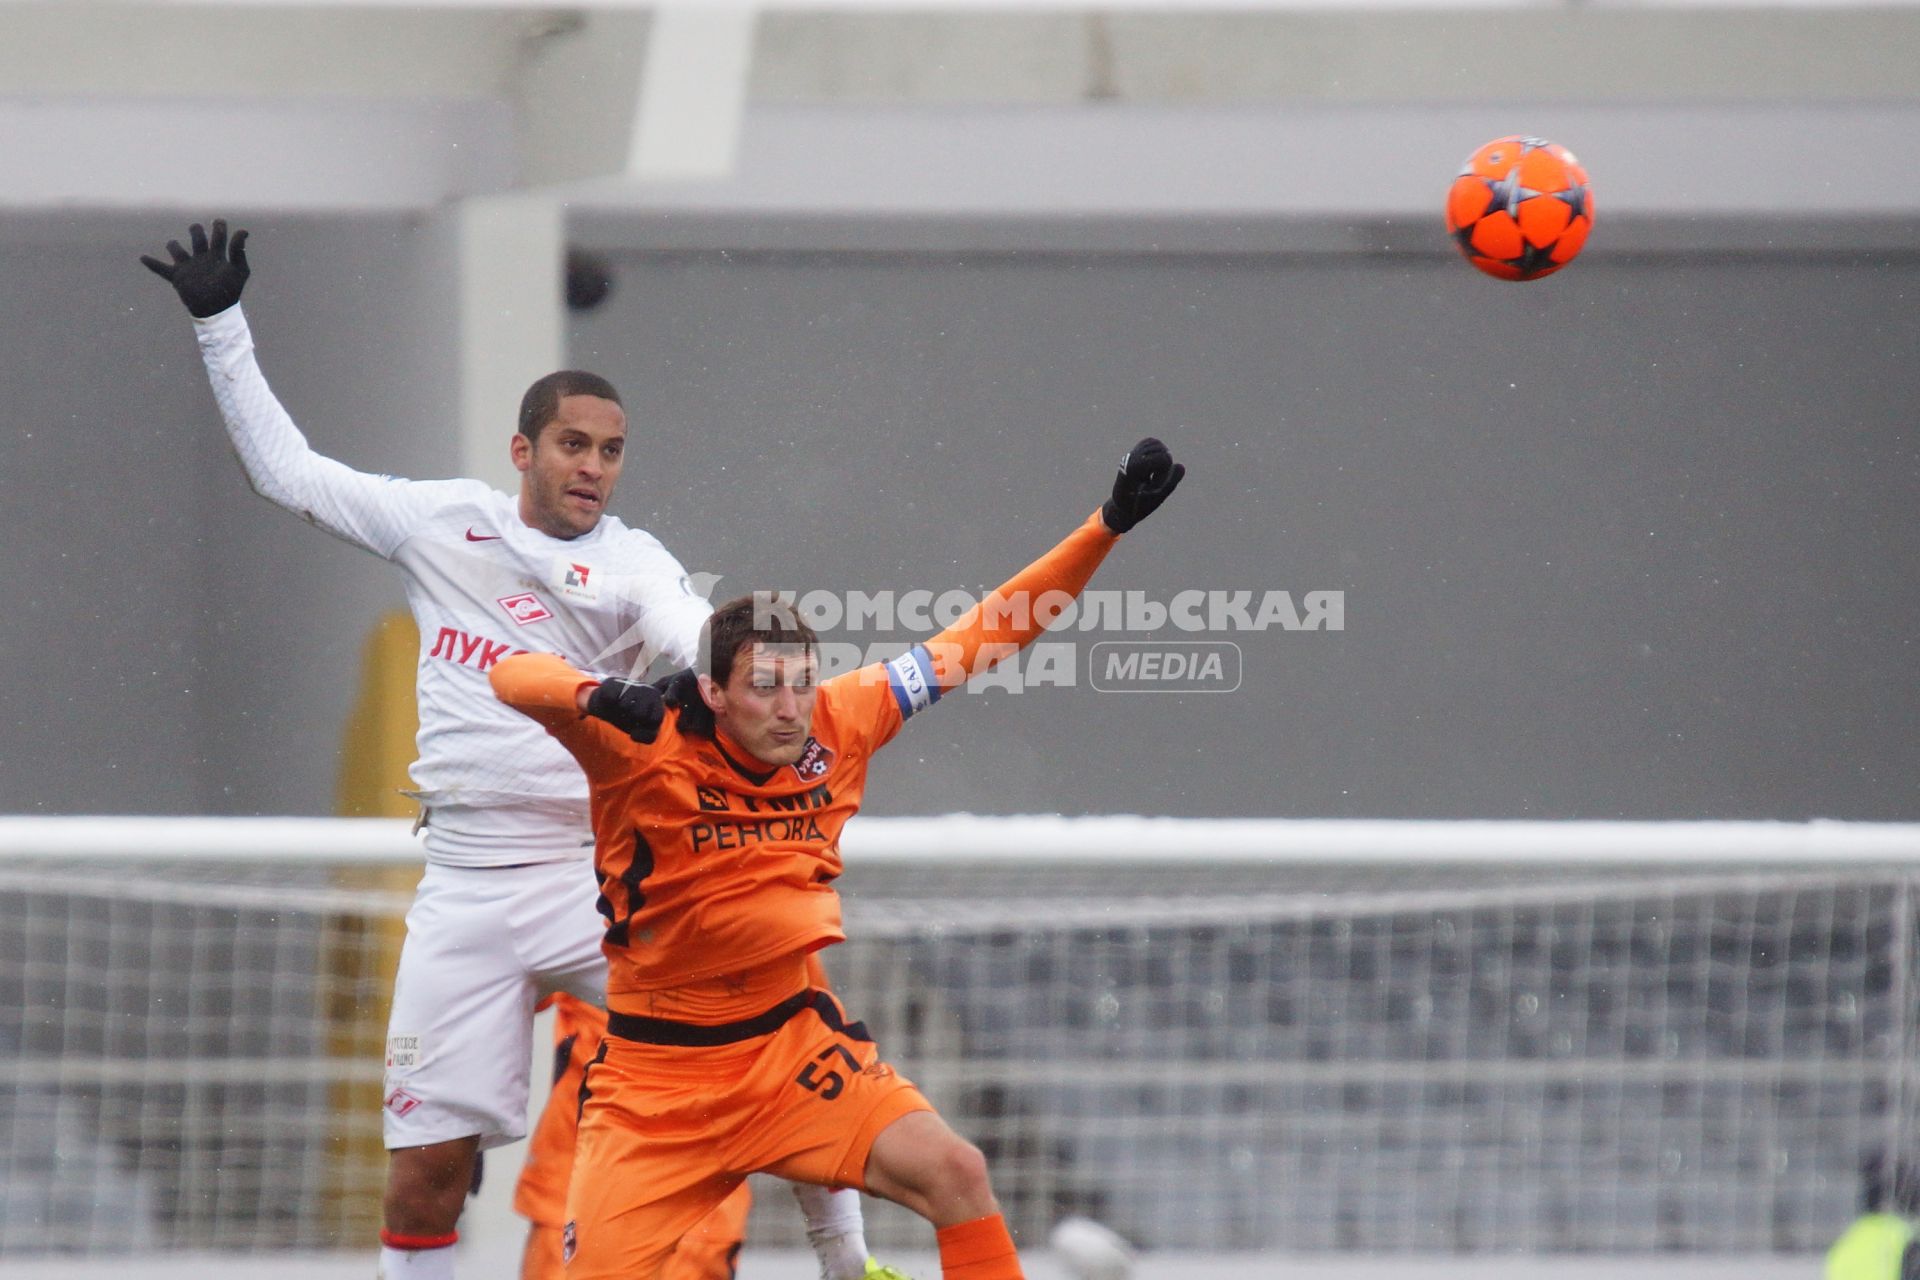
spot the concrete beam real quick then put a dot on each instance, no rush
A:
(1364, 163)
(270, 153)
(693, 93)
(508, 255)
(578, 95)
(657, 96)
(94, 48)
(1449, 53)
(1681, 112)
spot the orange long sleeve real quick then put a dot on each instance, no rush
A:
(1009, 619)
(539, 684)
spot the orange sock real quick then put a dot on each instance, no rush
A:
(978, 1250)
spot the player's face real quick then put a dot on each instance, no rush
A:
(567, 475)
(767, 703)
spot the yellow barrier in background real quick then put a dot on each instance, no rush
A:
(375, 750)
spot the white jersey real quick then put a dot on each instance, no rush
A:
(497, 787)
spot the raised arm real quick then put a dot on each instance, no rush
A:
(1009, 619)
(371, 511)
(1025, 605)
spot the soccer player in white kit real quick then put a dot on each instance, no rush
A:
(506, 911)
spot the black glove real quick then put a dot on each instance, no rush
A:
(680, 690)
(1148, 476)
(633, 708)
(209, 279)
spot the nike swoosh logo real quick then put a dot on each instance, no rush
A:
(482, 537)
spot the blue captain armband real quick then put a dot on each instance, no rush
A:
(911, 677)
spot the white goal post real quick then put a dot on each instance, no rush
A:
(1218, 1036)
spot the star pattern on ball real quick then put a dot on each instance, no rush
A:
(1520, 208)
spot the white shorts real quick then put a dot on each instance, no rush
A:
(483, 946)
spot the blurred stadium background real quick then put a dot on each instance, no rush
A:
(886, 288)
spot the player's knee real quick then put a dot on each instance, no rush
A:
(413, 1208)
(426, 1188)
(412, 1213)
(959, 1173)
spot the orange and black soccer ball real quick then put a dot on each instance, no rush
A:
(1521, 208)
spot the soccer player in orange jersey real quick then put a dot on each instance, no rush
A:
(717, 845)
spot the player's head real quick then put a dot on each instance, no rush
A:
(569, 447)
(758, 663)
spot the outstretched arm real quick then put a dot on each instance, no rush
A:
(592, 718)
(543, 686)
(546, 688)
(1027, 604)
(375, 512)
(1011, 617)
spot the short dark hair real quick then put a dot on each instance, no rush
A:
(760, 617)
(541, 404)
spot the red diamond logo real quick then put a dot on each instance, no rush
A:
(525, 608)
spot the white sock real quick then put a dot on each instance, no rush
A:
(416, 1264)
(835, 1229)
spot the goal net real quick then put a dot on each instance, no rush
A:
(1434, 1038)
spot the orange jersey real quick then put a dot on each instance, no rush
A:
(711, 864)
(716, 872)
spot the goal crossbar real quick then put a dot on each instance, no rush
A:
(1029, 839)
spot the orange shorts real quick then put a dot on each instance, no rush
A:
(671, 1130)
(541, 1194)
(708, 1252)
